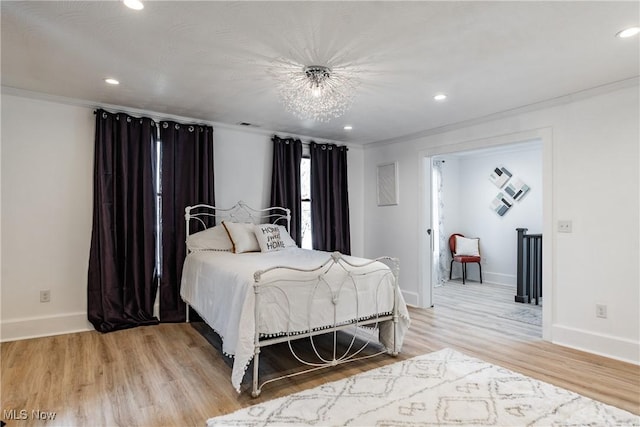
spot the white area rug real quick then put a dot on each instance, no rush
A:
(533, 316)
(445, 388)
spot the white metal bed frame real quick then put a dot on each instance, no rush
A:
(241, 212)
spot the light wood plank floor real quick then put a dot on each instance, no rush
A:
(492, 306)
(170, 374)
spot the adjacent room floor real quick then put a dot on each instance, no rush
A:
(492, 306)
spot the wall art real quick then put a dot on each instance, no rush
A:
(500, 176)
(516, 189)
(388, 184)
(501, 204)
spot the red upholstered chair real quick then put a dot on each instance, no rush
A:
(468, 252)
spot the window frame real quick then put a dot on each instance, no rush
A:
(307, 241)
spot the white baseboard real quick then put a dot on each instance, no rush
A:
(499, 278)
(36, 327)
(411, 298)
(487, 276)
(610, 346)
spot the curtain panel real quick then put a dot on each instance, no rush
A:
(121, 276)
(186, 179)
(329, 198)
(441, 255)
(285, 181)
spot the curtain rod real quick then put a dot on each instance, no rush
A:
(157, 120)
(307, 144)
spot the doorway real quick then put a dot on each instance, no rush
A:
(460, 195)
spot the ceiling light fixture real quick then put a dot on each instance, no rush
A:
(348, 127)
(133, 4)
(440, 97)
(111, 81)
(628, 32)
(315, 92)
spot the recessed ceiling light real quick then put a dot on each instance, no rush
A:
(133, 4)
(440, 97)
(628, 32)
(111, 81)
(348, 127)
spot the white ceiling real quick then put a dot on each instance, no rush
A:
(211, 60)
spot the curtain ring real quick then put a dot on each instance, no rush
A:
(104, 115)
(128, 119)
(190, 128)
(165, 125)
(324, 147)
(177, 126)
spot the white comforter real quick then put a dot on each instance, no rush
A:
(219, 285)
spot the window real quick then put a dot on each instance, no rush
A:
(305, 184)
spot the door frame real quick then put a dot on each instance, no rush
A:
(425, 244)
(425, 288)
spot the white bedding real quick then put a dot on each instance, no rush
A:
(219, 285)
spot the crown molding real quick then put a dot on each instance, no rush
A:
(560, 100)
(157, 116)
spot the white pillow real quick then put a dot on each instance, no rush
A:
(269, 237)
(242, 237)
(212, 239)
(286, 237)
(467, 247)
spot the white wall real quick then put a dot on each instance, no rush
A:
(243, 171)
(46, 202)
(467, 187)
(242, 162)
(47, 180)
(591, 163)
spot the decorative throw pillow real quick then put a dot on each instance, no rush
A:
(467, 247)
(242, 237)
(286, 237)
(269, 237)
(211, 239)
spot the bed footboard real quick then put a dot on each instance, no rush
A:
(339, 295)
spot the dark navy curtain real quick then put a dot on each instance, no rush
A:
(285, 181)
(122, 270)
(186, 179)
(329, 198)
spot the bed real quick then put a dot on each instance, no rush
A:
(254, 287)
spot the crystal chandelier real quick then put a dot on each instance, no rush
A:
(315, 92)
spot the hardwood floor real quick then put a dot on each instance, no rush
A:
(170, 374)
(492, 306)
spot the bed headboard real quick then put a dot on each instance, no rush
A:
(240, 212)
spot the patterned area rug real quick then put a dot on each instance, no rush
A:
(527, 315)
(444, 388)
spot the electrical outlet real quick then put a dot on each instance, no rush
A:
(564, 226)
(45, 295)
(601, 311)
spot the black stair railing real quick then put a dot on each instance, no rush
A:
(529, 274)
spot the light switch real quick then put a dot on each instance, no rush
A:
(564, 226)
